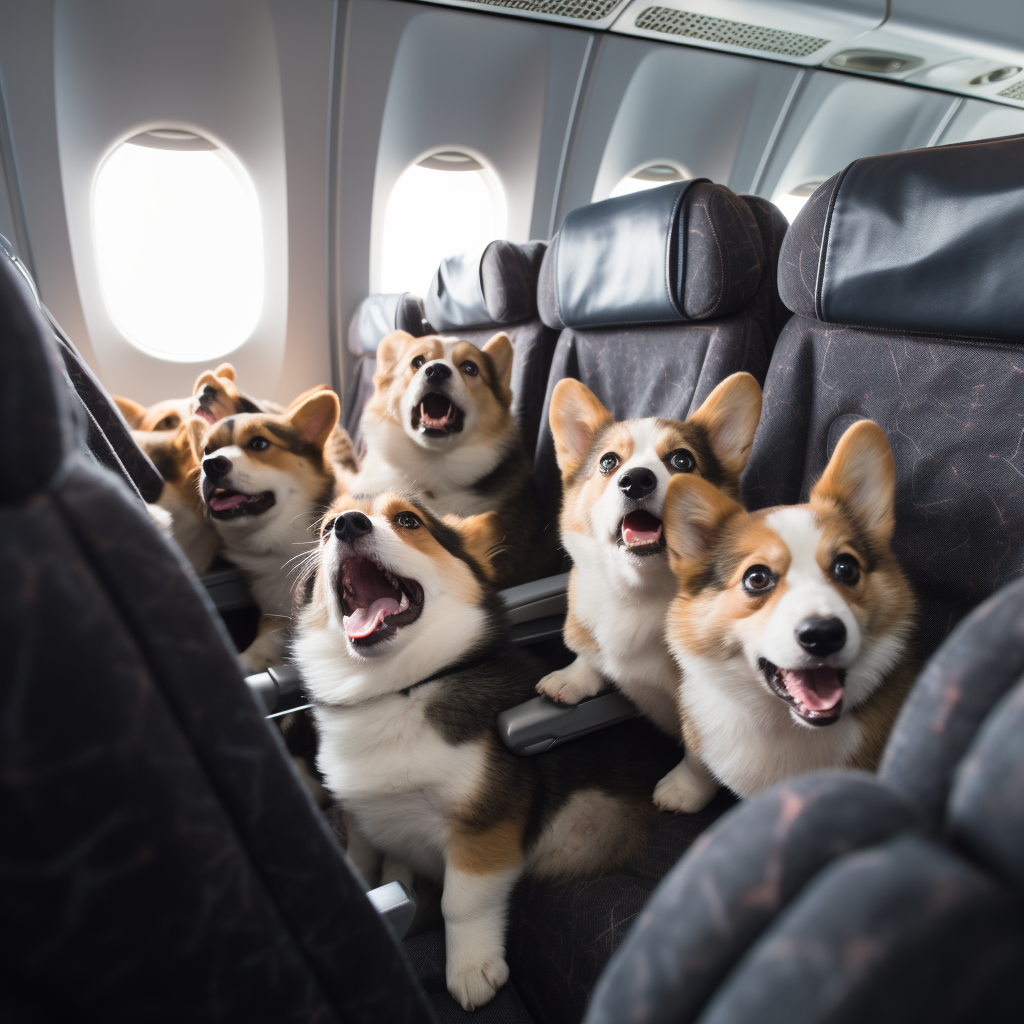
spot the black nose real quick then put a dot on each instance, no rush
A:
(209, 393)
(821, 636)
(637, 483)
(437, 373)
(351, 526)
(217, 467)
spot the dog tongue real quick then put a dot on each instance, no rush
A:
(363, 621)
(817, 688)
(227, 501)
(641, 528)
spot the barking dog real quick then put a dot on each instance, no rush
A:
(405, 653)
(265, 482)
(440, 424)
(790, 626)
(614, 480)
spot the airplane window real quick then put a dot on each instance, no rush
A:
(792, 202)
(179, 245)
(446, 203)
(649, 177)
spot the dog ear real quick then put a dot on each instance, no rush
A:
(499, 348)
(730, 415)
(861, 477)
(206, 377)
(316, 417)
(195, 428)
(225, 370)
(390, 350)
(693, 513)
(576, 414)
(299, 399)
(131, 411)
(481, 534)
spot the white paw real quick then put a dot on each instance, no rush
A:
(254, 660)
(683, 792)
(562, 686)
(474, 983)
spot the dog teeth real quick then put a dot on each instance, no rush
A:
(404, 604)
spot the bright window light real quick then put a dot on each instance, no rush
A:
(446, 204)
(179, 246)
(793, 201)
(648, 177)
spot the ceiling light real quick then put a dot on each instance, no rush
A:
(877, 62)
(999, 75)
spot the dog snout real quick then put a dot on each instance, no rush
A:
(637, 483)
(437, 373)
(350, 526)
(209, 394)
(820, 635)
(216, 467)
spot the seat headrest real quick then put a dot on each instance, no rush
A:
(35, 414)
(497, 288)
(928, 241)
(686, 251)
(378, 315)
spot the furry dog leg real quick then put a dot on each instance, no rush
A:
(688, 788)
(573, 683)
(268, 646)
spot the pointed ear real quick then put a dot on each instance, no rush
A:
(499, 348)
(225, 370)
(390, 350)
(299, 399)
(131, 411)
(576, 414)
(195, 428)
(481, 534)
(316, 417)
(861, 477)
(694, 512)
(730, 415)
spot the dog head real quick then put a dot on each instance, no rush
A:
(258, 469)
(167, 415)
(216, 395)
(615, 475)
(442, 392)
(807, 603)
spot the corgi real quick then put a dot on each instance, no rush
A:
(614, 478)
(215, 395)
(405, 653)
(265, 481)
(440, 424)
(166, 415)
(791, 627)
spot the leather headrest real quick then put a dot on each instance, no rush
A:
(686, 251)
(35, 413)
(496, 288)
(928, 241)
(378, 315)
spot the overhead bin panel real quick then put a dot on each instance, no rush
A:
(585, 13)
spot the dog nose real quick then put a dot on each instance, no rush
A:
(821, 636)
(351, 526)
(637, 483)
(217, 467)
(437, 373)
(209, 393)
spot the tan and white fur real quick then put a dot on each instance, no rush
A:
(791, 627)
(615, 477)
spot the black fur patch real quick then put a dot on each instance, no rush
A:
(293, 442)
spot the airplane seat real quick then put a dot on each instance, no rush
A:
(474, 297)
(375, 317)
(767, 307)
(906, 276)
(846, 897)
(162, 860)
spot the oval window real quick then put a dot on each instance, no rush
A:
(445, 204)
(647, 177)
(179, 245)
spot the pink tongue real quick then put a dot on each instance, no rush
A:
(817, 688)
(219, 504)
(631, 535)
(434, 422)
(205, 414)
(363, 621)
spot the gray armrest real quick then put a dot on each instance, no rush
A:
(539, 724)
(536, 610)
(279, 687)
(227, 589)
(395, 904)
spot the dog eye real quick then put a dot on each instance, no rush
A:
(758, 579)
(470, 369)
(328, 528)
(418, 361)
(682, 461)
(408, 520)
(846, 569)
(167, 423)
(608, 462)
(259, 444)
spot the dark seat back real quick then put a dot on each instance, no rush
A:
(474, 298)
(906, 274)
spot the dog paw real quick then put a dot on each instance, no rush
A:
(682, 792)
(563, 687)
(474, 983)
(253, 660)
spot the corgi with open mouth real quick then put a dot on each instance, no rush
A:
(440, 424)
(404, 650)
(265, 481)
(791, 627)
(615, 477)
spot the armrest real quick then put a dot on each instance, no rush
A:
(279, 689)
(540, 724)
(536, 610)
(396, 905)
(227, 589)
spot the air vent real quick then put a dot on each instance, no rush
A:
(1014, 92)
(732, 33)
(581, 10)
